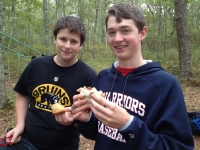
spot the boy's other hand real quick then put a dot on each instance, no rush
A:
(80, 108)
(65, 118)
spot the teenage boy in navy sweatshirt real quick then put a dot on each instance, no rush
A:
(144, 106)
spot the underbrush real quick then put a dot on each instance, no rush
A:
(102, 57)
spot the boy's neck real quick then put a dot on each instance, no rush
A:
(62, 63)
(131, 64)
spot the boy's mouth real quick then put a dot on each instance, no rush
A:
(120, 47)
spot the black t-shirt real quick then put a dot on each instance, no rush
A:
(46, 82)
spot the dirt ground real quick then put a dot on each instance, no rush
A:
(191, 94)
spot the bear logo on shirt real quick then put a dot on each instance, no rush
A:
(47, 94)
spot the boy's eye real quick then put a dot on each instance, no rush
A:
(73, 42)
(125, 31)
(63, 39)
(111, 33)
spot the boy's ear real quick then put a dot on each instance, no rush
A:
(143, 33)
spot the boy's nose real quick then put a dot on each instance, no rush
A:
(118, 37)
(67, 44)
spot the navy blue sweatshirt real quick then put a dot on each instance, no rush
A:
(155, 99)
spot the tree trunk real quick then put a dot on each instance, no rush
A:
(160, 28)
(46, 26)
(185, 62)
(95, 27)
(3, 99)
(81, 14)
(14, 30)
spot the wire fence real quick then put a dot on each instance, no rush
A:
(16, 55)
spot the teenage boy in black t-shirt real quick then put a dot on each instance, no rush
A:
(50, 79)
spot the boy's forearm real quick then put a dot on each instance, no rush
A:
(21, 107)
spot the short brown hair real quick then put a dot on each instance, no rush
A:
(127, 11)
(73, 24)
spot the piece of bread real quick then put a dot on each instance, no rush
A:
(57, 109)
(87, 91)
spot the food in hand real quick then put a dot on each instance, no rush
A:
(87, 91)
(57, 108)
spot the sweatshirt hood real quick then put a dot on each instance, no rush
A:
(145, 69)
(139, 72)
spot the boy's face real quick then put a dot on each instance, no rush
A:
(124, 38)
(67, 46)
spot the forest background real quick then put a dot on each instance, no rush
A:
(173, 38)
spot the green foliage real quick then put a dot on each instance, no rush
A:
(169, 62)
(102, 59)
(14, 65)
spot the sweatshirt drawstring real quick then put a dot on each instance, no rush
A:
(123, 87)
(124, 90)
(113, 85)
